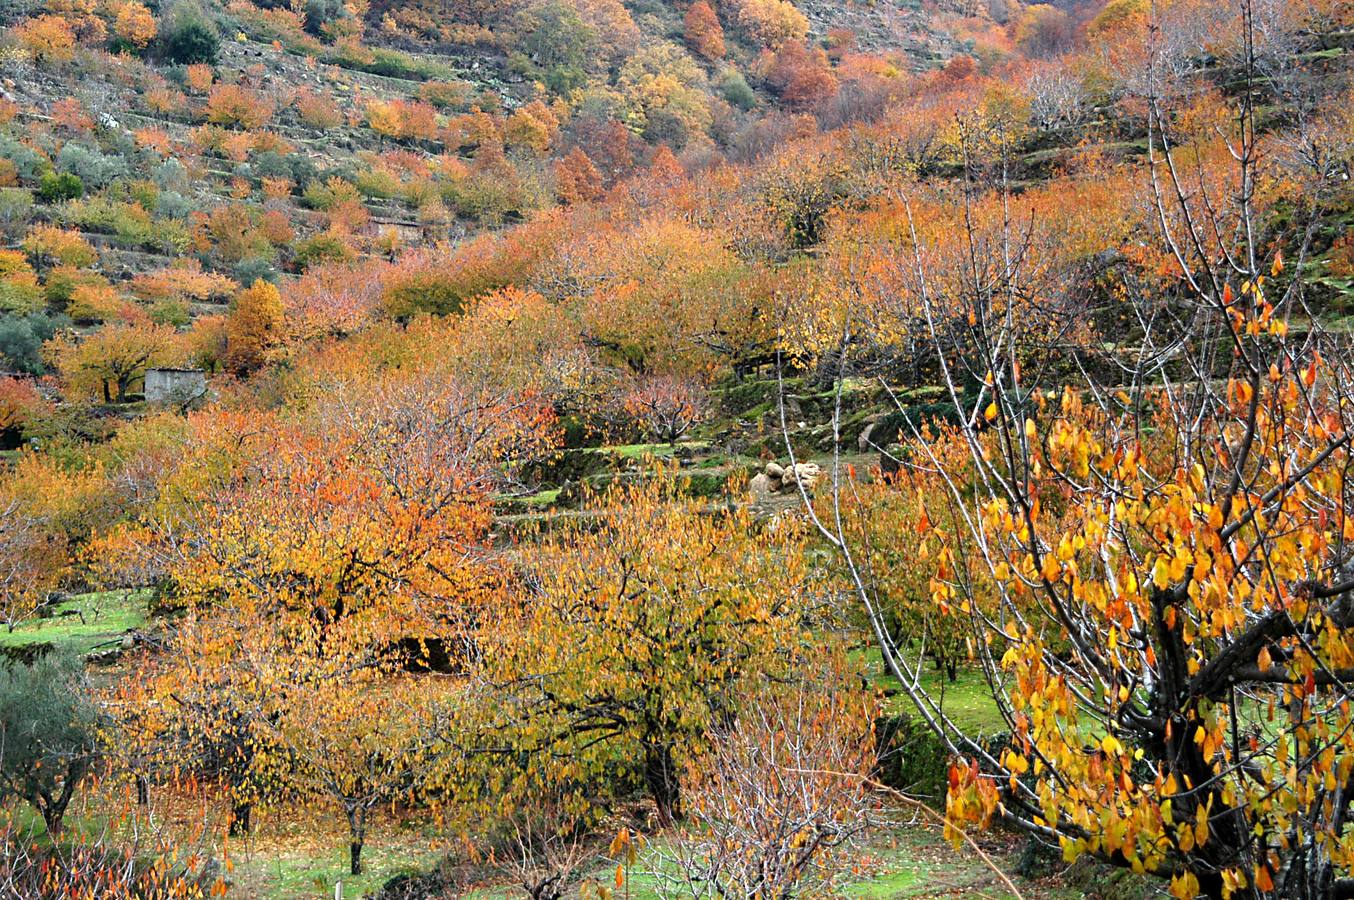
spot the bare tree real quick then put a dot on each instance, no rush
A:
(546, 846)
(782, 792)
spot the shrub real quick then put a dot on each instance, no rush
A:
(21, 340)
(256, 268)
(130, 223)
(232, 105)
(271, 164)
(28, 162)
(95, 867)
(333, 192)
(172, 205)
(392, 63)
(49, 244)
(324, 15)
(49, 725)
(378, 182)
(94, 169)
(16, 209)
(62, 281)
(453, 95)
(491, 197)
(171, 312)
(49, 38)
(733, 87)
(556, 45)
(187, 36)
(19, 290)
(321, 249)
(170, 175)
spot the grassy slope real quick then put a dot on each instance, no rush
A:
(83, 623)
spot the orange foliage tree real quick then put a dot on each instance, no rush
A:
(1152, 563)
(703, 31)
(253, 327)
(111, 361)
(321, 560)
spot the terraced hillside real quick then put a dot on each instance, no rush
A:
(666, 448)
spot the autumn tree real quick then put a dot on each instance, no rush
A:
(770, 23)
(800, 75)
(1043, 30)
(319, 560)
(253, 327)
(666, 407)
(133, 24)
(665, 96)
(31, 559)
(111, 361)
(1161, 595)
(703, 31)
(237, 106)
(48, 37)
(577, 179)
(663, 613)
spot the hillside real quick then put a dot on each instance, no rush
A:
(658, 448)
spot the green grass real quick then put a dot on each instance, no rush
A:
(83, 622)
(910, 861)
(967, 700)
(294, 876)
(657, 451)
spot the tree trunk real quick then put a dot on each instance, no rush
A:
(357, 832)
(53, 809)
(51, 817)
(660, 775)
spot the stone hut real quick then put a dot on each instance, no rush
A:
(177, 386)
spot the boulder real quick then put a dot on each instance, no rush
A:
(863, 442)
(774, 471)
(761, 488)
(802, 474)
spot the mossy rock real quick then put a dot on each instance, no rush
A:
(26, 653)
(897, 426)
(909, 757)
(740, 396)
(572, 465)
